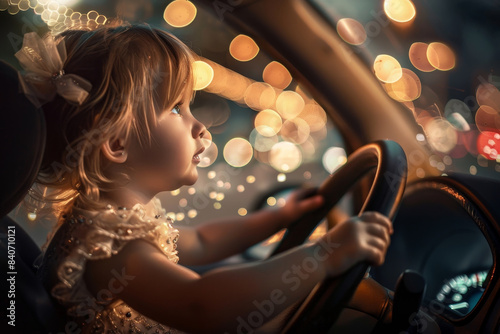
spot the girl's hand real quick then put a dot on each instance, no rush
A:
(298, 203)
(363, 238)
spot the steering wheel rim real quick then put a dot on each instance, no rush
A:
(321, 308)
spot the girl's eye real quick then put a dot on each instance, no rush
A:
(176, 110)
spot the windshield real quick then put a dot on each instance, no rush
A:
(441, 60)
(268, 132)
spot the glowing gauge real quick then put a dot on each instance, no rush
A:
(461, 293)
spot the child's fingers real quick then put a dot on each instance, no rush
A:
(375, 250)
(311, 203)
(379, 231)
(378, 243)
(376, 217)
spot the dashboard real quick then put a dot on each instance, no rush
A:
(439, 233)
(460, 294)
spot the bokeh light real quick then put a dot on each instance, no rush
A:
(418, 57)
(238, 152)
(281, 177)
(314, 115)
(289, 104)
(333, 158)
(399, 10)
(488, 95)
(441, 135)
(488, 145)
(441, 56)
(179, 13)
(487, 119)
(295, 130)
(262, 143)
(276, 75)
(285, 157)
(268, 123)
(259, 96)
(209, 156)
(203, 74)
(454, 106)
(387, 68)
(407, 88)
(243, 48)
(351, 31)
(271, 201)
(458, 121)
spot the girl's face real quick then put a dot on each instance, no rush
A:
(170, 161)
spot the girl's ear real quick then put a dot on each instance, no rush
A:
(114, 150)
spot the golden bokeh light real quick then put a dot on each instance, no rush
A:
(209, 156)
(262, 143)
(277, 75)
(306, 96)
(440, 56)
(387, 68)
(271, 201)
(351, 31)
(488, 95)
(203, 74)
(487, 119)
(219, 81)
(314, 115)
(238, 152)
(334, 158)
(281, 177)
(259, 96)
(285, 157)
(418, 57)
(407, 88)
(295, 130)
(289, 104)
(179, 13)
(441, 135)
(399, 10)
(309, 150)
(268, 122)
(242, 211)
(243, 48)
(235, 88)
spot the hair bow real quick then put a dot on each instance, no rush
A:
(44, 77)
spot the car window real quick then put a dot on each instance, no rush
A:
(440, 60)
(268, 132)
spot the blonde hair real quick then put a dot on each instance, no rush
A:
(136, 72)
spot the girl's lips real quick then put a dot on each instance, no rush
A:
(196, 157)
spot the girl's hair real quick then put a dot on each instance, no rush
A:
(136, 71)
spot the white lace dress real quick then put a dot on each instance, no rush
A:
(94, 235)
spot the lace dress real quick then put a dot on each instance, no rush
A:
(87, 235)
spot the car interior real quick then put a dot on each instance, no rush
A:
(426, 161)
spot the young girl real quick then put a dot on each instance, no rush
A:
(116, 102)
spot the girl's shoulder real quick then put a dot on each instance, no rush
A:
(93, 235)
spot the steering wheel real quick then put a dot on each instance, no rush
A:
(319, 311)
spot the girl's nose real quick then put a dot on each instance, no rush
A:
(200, 131)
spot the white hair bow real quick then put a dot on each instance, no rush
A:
(44, 77)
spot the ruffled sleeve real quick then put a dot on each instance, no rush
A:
(99, 235)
